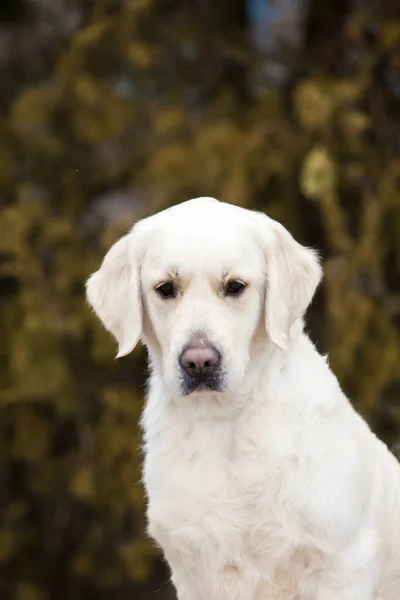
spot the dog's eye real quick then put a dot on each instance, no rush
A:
(166, 290)
(234, 288)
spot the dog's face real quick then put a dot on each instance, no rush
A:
(197, 282)
(203, 286)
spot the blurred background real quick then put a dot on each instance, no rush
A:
(111, 110)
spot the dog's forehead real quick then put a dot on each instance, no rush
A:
(199, 212)
(203, 235)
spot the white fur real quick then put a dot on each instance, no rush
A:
(275, 489)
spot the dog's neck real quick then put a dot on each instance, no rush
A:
(272, 364)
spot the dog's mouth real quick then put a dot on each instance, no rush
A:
(201, 383)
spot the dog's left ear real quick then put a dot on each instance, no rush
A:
(293, 275)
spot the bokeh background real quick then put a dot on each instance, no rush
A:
(111, 110)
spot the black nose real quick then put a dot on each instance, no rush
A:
(200, 359)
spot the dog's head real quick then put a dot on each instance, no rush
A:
(197, 282)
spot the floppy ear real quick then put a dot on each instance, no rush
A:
(114, 294)
(293, 274)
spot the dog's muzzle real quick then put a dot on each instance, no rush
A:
(200, 365)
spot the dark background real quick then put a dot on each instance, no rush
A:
(112, 110)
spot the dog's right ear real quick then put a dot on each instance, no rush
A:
(114, 294)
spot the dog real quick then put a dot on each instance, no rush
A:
(262, 481)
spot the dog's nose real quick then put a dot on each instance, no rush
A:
(200, 360)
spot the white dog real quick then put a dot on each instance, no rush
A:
(263, 483)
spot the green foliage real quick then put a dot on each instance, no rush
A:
(141, 102)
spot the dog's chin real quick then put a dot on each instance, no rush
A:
(211, 384)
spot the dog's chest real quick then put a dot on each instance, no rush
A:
(215, 493)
